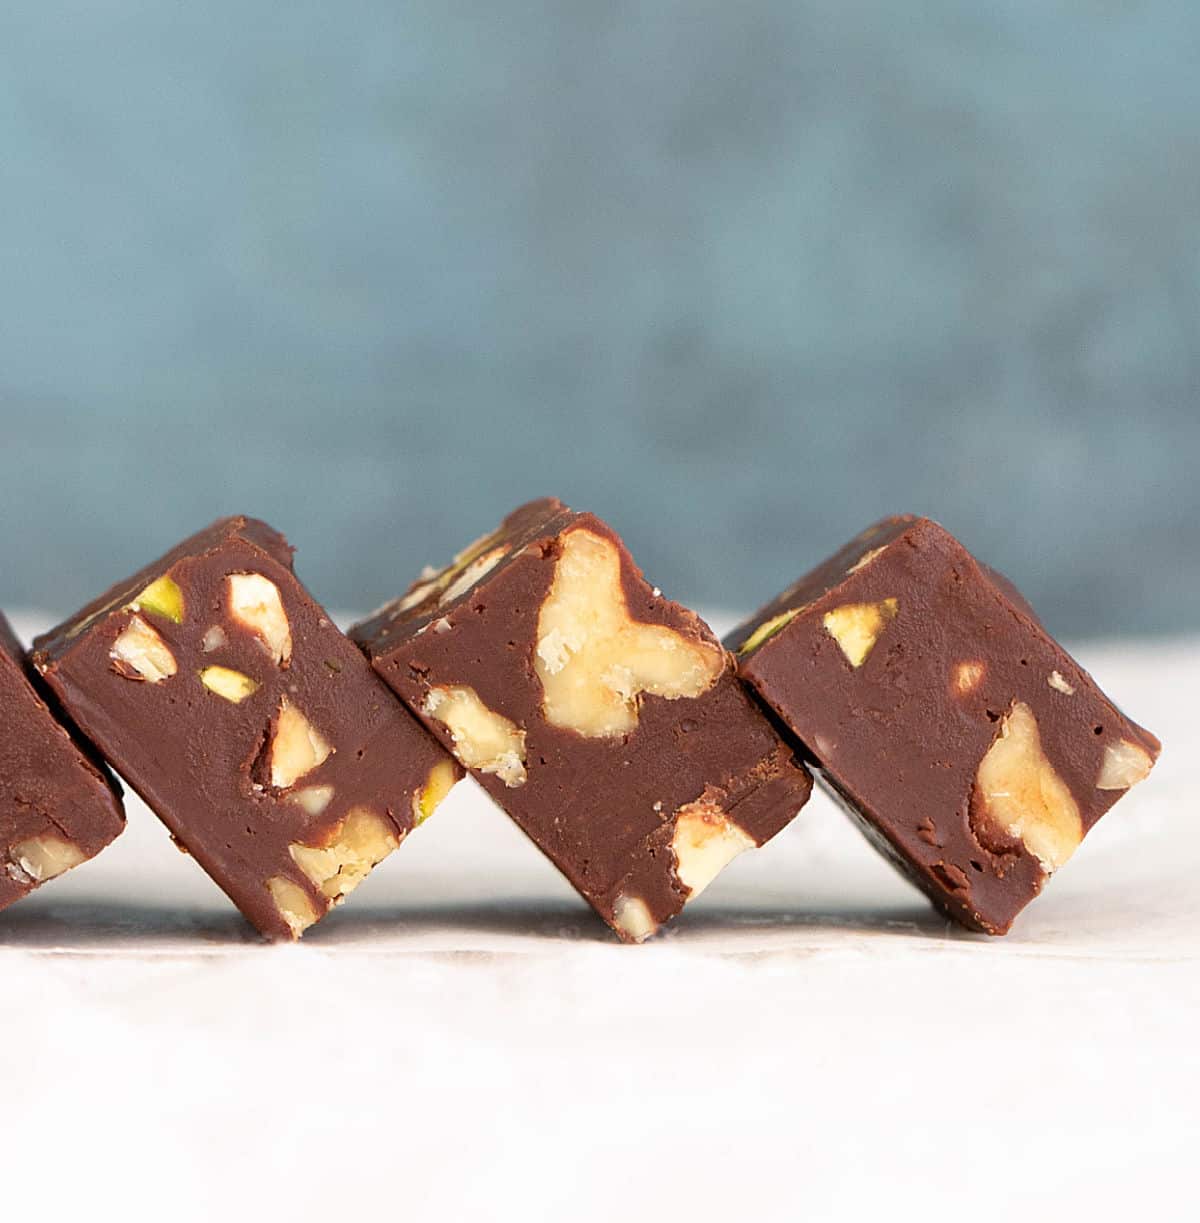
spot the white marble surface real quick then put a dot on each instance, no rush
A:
(464, 1040)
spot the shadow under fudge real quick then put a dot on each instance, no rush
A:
(605, 719)
(970, 748)
(226, 697)
(70, 925)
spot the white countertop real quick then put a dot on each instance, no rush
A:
(464, 1040)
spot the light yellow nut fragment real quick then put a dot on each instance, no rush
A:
(418, 594)
(967, 677)
(232, 685)
(293, 904)
(472, 573)
(1023, 795)
(767, 630)
(256, 604)
(439, 783)
(632, 917)
(704, 844)
(46, 857)
(483, 739)
(866, 558)
(856, 627)
(214, 639)
(297, 748)
(356, 845)
(475, 549)
(469, 565)
(1056, 681)
(140, 653)
(312, 800)
(594, 661)
(1124, 765)
(161, 598)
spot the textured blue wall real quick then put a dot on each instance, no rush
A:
(739, 276)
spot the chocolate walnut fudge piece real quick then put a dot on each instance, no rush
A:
(228, 699)
(58, 804)
(970, 747)
(603, 718)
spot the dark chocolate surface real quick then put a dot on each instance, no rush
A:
(900, 738)
(51, 784)
(200, 761)
(603, 809)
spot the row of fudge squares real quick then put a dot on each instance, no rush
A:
(636, 750)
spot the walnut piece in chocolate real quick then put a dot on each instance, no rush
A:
(59, 806)
(973, 751)
(603, 718)
(255, 730)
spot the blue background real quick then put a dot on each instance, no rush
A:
(740, 277)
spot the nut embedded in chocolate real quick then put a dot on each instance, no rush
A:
(974, 752)
(604, 719)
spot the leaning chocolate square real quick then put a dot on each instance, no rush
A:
(972, 749)
(230, 701)
(58, 804)
(603, 718)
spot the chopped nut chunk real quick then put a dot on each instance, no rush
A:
(968, 676)
(767, 629)
(314, 800)
(472, 574)
(46, 857)
(1125, 764)
(1023, 794)
(161, 598)
(360, 842)
(442, 779)
(856, 627)
(293, 904)
(483, 739)
(633, 919)
(140, 653)
(866, 558)
(297, 749)
(214, 639)
(256, 604)
(705, 842)
(594, 660)
(232, 685)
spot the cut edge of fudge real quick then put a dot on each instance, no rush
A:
(53, 839)
(487, 719)
(859, 620)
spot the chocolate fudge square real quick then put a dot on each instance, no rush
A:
(59, 806)
(974, 752)
(228, 699)
(605, 719)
